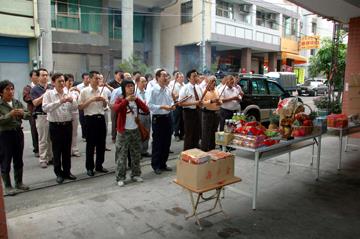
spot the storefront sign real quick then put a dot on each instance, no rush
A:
(309, 42)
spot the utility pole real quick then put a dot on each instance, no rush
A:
(203, 44)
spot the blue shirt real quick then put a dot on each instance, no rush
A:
(157, 97)
(115, 94)
(36, 92)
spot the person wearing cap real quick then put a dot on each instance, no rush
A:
(128, 136)
(11, 137)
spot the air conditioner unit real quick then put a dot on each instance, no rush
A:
(245, 8)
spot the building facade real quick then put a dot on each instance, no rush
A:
(239, 36)
(19, 30)
(87, 35)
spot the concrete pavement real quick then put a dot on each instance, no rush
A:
(289, 205)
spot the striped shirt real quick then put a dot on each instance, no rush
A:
(57, 111)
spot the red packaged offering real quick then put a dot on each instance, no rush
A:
(337, 120)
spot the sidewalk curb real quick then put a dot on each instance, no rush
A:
(81, 177)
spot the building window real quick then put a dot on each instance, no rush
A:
(115, 24)
(76, 15)
(224, 9)
(267, 19)
(66, 14)
(186, 11)
(313, 27)
(290, 26)
(312, 52)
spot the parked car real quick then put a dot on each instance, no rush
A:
(312, 88)
(287, 80)
(261, 96)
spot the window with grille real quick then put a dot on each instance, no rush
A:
(77, 15)
(186, 11)
(224, 9)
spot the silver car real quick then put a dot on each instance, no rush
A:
(313, 88)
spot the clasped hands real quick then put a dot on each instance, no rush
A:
(15, 113)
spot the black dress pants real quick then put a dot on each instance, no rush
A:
(224, 115)
(95, 137)
(11, 148)
(82, 123)
(34, 134)
(210, 123)
(192, 128)
(161, 128)
(178, 122)
(61, 136)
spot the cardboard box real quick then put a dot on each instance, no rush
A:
(225, 169)
(196, 176)
(222, 138)
(199, 176)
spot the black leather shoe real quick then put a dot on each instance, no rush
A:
(146, 155)
(90, 173)
(167, 169)
(70, 177)
(102, 170)
(59, 179)
(157, 171)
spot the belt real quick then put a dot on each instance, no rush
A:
(206, 110)
(162, 116)
(188, 109)
(61, 123)
(39, 113)
(143, 113)
(233, 111)
(98, 116)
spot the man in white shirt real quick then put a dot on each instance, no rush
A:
(178, 122)
(160, 104)
(143, 117)
(231, 97)
(84, 84)
(191, 110)
(59, 106)
(93, 103)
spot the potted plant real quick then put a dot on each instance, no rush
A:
(324, 107)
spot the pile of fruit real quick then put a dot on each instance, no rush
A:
(253, 135)
(302, 125)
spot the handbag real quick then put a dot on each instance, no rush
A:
(144, 132)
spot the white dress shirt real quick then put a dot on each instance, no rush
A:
(228, 93)
(187, 90)
(56, 111)
(157, 97)
(96, 107)
(175, 89)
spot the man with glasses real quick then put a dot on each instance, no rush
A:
(42, 124)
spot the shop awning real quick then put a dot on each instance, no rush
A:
(297, 58)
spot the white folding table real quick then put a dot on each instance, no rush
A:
(283, 147)
(351, 129)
